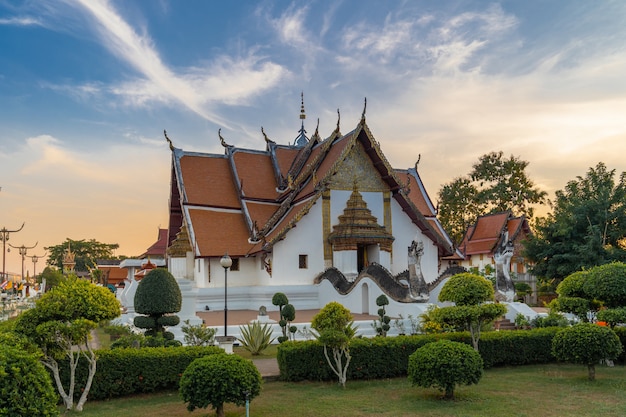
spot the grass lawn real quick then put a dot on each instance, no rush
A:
(538, 390)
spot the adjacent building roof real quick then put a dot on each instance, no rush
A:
(247, 200)
(484, 236)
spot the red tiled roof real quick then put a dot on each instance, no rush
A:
(158, 248)
(485, 235)
(256, 175)
(208, 181)
(218, 232)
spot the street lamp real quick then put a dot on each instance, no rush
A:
(226, 262)
(4, 237)
(23, 250)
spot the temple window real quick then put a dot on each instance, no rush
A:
(235, 265)
(303, 261)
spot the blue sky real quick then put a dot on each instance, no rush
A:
(87, 88)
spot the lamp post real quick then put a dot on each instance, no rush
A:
(226, 262)
(35, 258)
(4, 237)
(23, 250)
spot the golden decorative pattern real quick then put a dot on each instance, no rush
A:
(328, 249)
(357, 166)
(180, 246)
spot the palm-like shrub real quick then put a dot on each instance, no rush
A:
(443, 365)
(586, 344)
(255, 338)
(217, 379)
(157, 298)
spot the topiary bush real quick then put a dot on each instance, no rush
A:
(382, 324)
(157, 298)
(218, 379)
(444, 365)
(586, 344)
(25, 385)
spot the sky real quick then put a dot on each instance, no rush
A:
(88, 86)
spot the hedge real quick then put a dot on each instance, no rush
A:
(388, 357)
(127, 371)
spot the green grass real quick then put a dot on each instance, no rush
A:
(540, 390)
(270, 352)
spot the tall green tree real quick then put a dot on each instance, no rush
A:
(60, 324)
(587, 226)
(459, 207)
(86, 253)
(495, 184)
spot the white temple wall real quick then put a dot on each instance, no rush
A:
(304, 239)
(405, 232)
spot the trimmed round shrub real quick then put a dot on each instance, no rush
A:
(158, 293)
(280, 299)
(168, 321)
(25, 386)
(218, 379)
(467, 289)
(443, 365)
(157, 298)
(586, 344)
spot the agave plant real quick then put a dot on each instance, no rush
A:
(255, 338)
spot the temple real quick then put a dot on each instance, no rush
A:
(320, 219)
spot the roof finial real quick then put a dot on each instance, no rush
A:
(302, 113)
(364, 109)
(267, 140)
(317, 128)
(419, 156)
(338, 121)
(168, 140)
(224, 144)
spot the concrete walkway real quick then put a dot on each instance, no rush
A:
(268, 368)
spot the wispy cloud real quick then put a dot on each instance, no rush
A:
(227, 80)
(20, 21)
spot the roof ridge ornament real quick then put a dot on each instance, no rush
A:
(224, 144)
(364, 110)
(302, 112)
(267, 140)
(419, 157)
(168, 140)
(337, 131)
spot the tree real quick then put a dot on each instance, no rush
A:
(86, 253)
(586, 344)
(587, 226)
(217, 379)
(60, 324)
(443, 365)
(52, 277)
(495, 184)
(25, 386)
(459, 207)
(470, 293)
(157, 298)
(335, 329)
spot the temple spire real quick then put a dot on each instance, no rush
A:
(301, 140)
